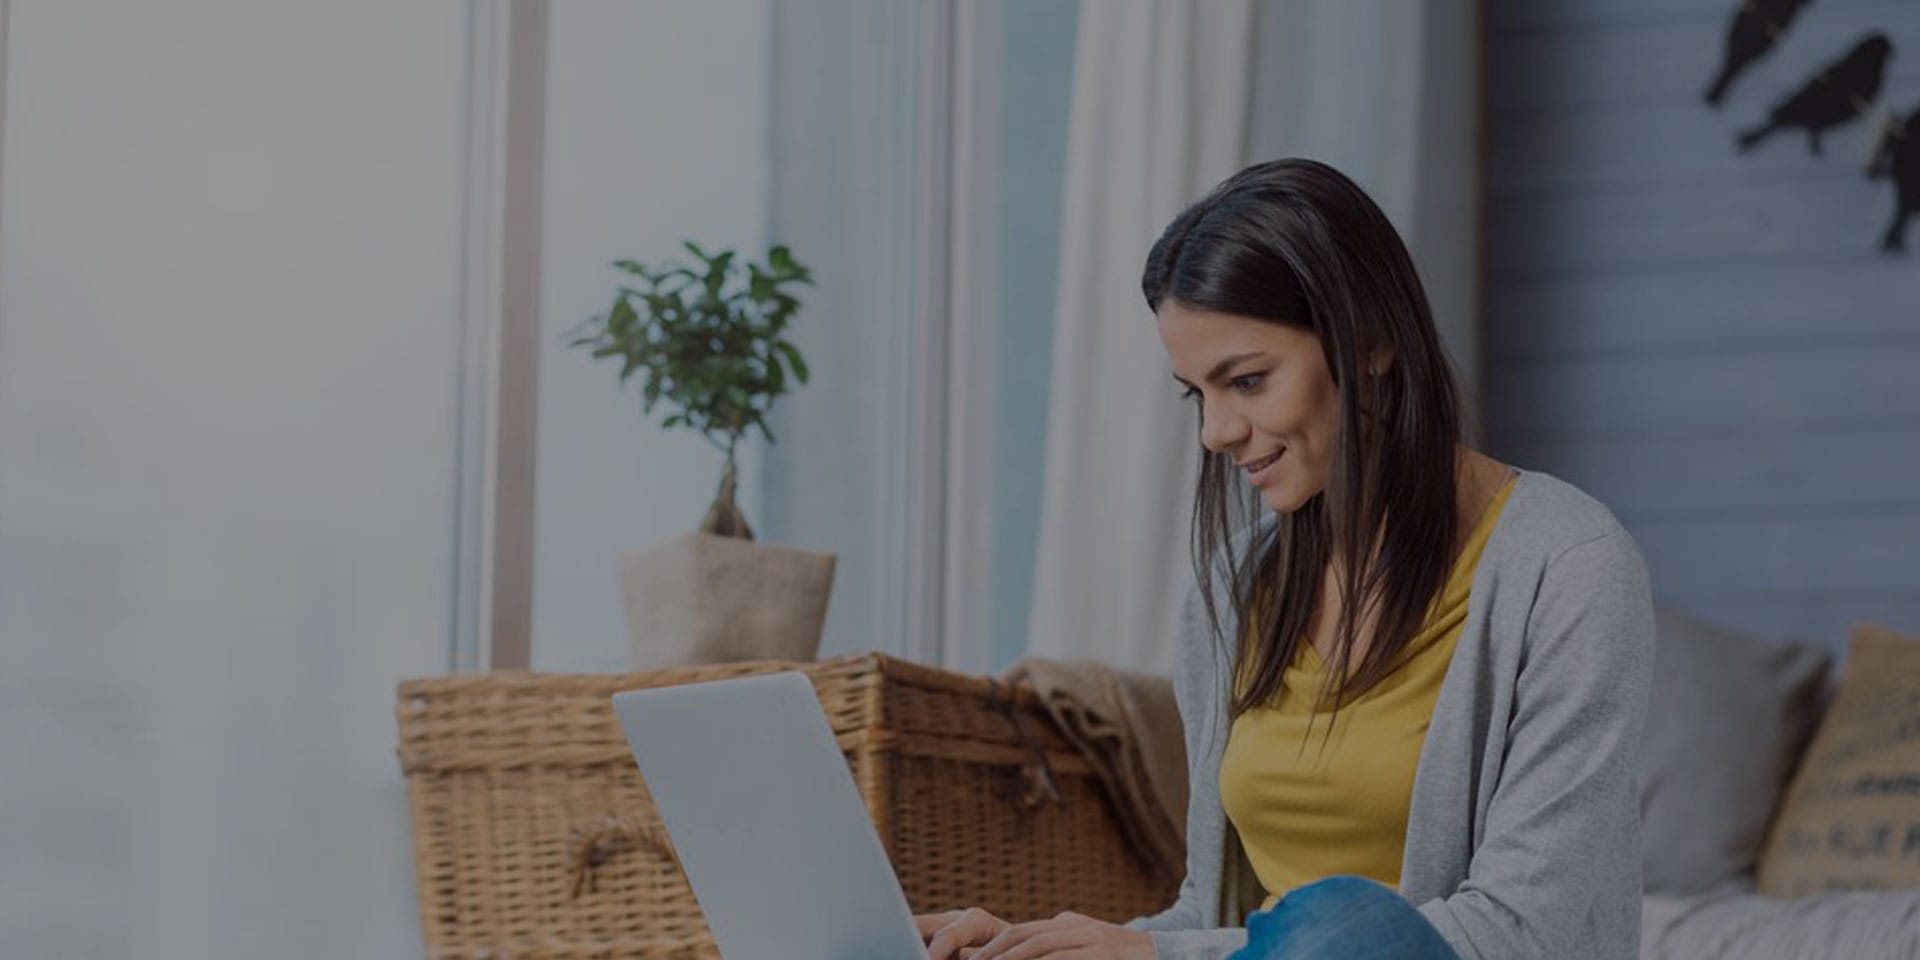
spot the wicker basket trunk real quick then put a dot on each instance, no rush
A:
(535, 838)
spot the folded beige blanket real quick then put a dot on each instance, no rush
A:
(1128, 726)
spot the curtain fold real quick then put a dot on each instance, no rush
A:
(1159, 114)
(1388, 92)
(1168, 99)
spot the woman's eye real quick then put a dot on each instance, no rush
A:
(1245, 383)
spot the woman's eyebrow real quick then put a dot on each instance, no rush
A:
(1220, 369)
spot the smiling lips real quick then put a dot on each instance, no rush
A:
(1259, 471)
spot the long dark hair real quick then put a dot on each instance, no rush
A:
(1295, 242)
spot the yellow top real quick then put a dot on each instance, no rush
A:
(1309, 807)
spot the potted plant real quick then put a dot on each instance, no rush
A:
(708, 340)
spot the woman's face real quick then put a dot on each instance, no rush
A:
(1267, 398)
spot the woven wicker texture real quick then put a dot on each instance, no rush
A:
(535, 838)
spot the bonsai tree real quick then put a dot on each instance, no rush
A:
(709, 342)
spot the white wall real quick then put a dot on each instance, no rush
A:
(1710, 342)
(657, 118)
(229, 261)
(230, 266)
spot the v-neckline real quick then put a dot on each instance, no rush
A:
(1320, 663)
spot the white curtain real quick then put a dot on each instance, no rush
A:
(1177, 97)
(1160, 96)
(1387, 92)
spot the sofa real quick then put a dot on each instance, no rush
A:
(1775, 826)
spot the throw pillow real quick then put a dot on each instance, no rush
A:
(1851, 820)
(1728, 718)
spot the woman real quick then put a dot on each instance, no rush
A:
(1421, 732)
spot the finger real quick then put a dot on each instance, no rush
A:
(947, 941)
(1045, 944)
(1014, 936)
(930, 923)
(1081, 952)
(970, 929)
(945, 944)
(1064, 920)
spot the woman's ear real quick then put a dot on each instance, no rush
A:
(1379, 361)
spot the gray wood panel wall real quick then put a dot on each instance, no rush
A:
(1710, 342)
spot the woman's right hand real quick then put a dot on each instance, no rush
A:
(948, 934)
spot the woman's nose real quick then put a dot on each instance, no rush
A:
(1220, 430)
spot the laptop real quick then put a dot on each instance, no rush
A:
(767, 822)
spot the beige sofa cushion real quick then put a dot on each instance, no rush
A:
(1851, 818)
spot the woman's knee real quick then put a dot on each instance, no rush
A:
(1342, 917)
(1342, 889)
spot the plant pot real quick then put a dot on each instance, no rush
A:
(708, 599)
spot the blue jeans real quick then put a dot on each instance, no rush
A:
(1342, 918)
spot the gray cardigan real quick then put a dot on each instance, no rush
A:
(1523, 838)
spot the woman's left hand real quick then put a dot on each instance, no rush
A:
(1069, 936)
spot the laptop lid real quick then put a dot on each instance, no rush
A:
(767, 822)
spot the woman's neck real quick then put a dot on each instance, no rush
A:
(1477, 478)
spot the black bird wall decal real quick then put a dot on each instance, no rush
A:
(1838, 93)
(1897, 156)
(1756, 29)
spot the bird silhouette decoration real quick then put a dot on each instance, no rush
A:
(1756, 29)
(1840, 92)
(1897, 157)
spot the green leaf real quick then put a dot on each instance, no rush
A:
(776, 376)
(706, 342)
(662, 305)
(793, 359)
(621, 318)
